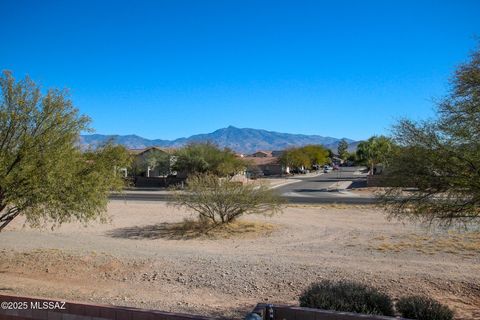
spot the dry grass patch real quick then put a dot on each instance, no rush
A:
(466, 243)
(333, 206)
(242, 229)
(58, 264)
(234, 229)
(195, 229)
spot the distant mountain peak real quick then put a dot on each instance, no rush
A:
(245, 140)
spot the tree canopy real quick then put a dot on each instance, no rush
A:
(157, 159)
(307, 156)
(219, 200)
(44, 175)
(376, 150)
(440, 158)
(206, 157)
(342, 149)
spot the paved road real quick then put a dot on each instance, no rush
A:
(327, 188)
(141, 196)
(307, 190)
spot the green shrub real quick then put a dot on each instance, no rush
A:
(423, 308)
(346, 296)
(221, 200)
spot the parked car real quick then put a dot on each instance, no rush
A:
(327, 169)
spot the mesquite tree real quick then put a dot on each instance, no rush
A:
(219, 200)
(307, 156)
(440, 158)
(44, 175)
(206, 157)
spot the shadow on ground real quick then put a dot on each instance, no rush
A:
(170, 231)
(191, 230)
(324, 190)
(311, 190)
(358, 184)
(334, 179)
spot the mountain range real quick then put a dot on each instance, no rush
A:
(244, 140)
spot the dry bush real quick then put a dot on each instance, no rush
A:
(423, 308)
(346, 296)
(220, 200)
(466, 243)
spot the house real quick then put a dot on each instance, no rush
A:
(266, 154)
(337, 160)
(261, 154)
(263, 163)
(141, 166)
(267, 166)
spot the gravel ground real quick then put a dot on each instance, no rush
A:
(139, 260)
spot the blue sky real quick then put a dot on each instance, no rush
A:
(167, 69)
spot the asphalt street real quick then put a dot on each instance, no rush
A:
(332, 187)
(320, 189)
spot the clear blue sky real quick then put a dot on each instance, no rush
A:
(167, 69)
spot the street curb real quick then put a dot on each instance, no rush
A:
(284, 184)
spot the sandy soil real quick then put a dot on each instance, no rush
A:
(140, 260)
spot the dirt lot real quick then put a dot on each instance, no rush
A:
(141, 259)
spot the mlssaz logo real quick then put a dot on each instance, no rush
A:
(47, 305)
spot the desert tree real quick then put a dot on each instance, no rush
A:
(219, 200)
(295, 158)
(44, 175)
(316, 154)
(158, 159)
(439, 159)
(361, 153)
(352, 157)
(205, 157)
(375, 150)
(342, 149)
(306, 156)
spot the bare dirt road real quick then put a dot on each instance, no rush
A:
(140, 259)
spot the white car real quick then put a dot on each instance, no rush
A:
(327, 169)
